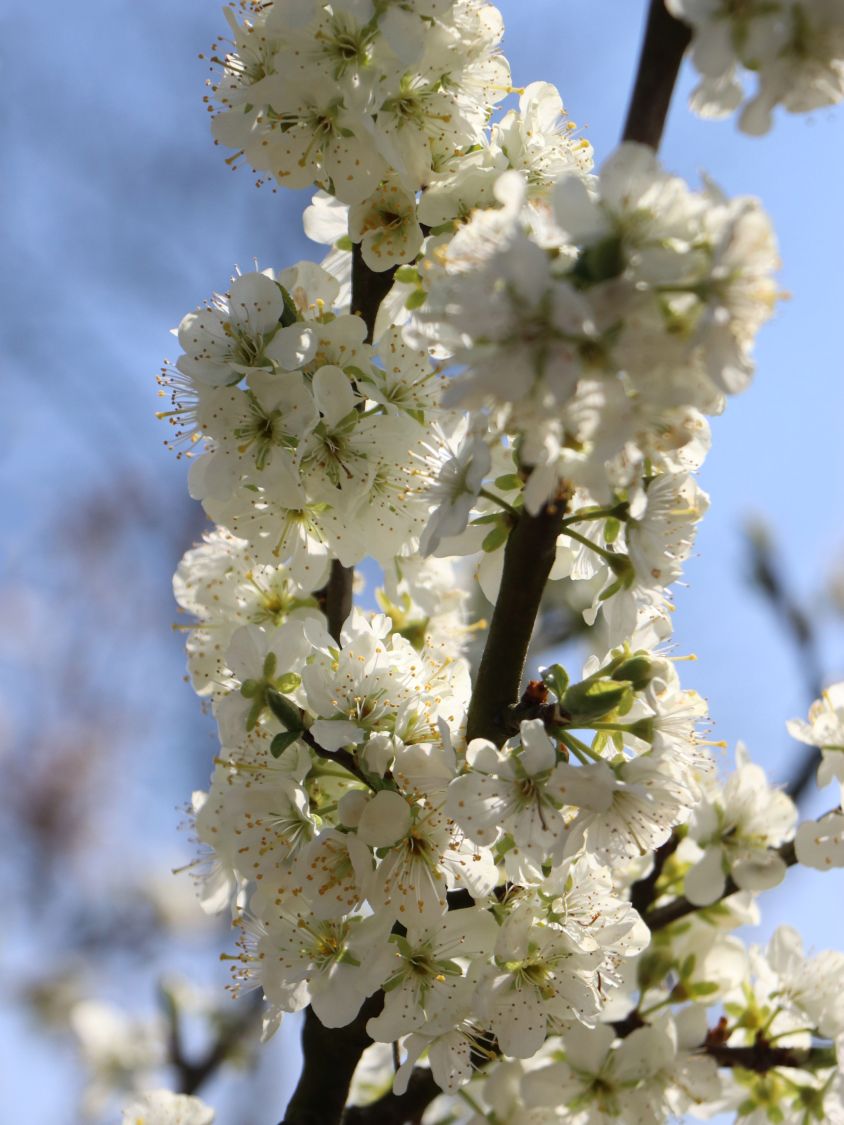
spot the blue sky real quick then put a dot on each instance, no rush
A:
(120, 215)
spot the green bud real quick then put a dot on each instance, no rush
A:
(591, 700)
(288, 682)
(653, 969)
(600, 262)
(638, 670)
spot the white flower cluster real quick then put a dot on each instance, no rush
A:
(351, 93)
(596, 324)
(286, 402)
(363, 845)
(554, 909)
(794, 47)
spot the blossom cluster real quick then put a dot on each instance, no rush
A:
(549, 340)
(794, 47)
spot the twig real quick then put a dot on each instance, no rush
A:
(663, 47)
(769, 579)
(678, 908)
(643, 891)
(762, 1056)
(191, 1075)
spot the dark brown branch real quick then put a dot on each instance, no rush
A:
(678, 908)
(664, 45)
(528, 558)
(643, 891)
(763, 1056)
(338, 597)
(330, 1056)
(395, 1109)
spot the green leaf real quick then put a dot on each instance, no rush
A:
(496, 538)
(287, 713)
(281, 741)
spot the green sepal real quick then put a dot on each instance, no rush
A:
(416, 299)
(281, 742)
(289, 314)
(556, 679)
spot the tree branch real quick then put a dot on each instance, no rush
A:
(763, 1056)
(528, 558)
(397, 1109)
(191, 1075)
(768, 577)
(330, 1056)
(663, 47)
(678, 908)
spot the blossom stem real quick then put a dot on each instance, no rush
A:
(616, 512)
(602, 551)
(500, 502)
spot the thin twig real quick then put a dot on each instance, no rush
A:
(768, 577)
(662, 916)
